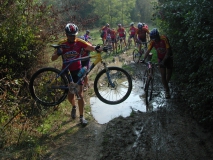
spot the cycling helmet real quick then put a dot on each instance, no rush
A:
(107, 25)
(119, 25)
(87, 31)
(143, 24)
(154, 33)
(132, 23)
(140, 25)
(71, 29)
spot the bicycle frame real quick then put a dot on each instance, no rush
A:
(98, 59)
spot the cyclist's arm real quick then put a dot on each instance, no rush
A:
(146, 54)
(54, 56)
(90, 48)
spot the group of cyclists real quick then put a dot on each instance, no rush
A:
(76, 45)
(138, 34)
(142, 35)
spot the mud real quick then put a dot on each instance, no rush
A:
(166, 133)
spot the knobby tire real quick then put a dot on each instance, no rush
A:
(106, 93)
(44, 91)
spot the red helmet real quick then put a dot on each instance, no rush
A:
(71, 29)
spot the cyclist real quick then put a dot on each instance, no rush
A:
(132, 32)
(147, 35)
(121, 34)
(86, 36)
(164, 54)
(71, 49)
(112, 33)
(103, 31)
(141, 34)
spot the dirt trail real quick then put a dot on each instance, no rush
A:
(164, 134)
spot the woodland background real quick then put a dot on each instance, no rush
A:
(27, 27)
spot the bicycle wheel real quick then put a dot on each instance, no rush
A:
(136, 56)
(113, 94)
(148, 90)
(47, 88)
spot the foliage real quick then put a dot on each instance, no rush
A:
(189, 26)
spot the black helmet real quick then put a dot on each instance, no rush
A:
(154, 33)
(71, 29)
(87, 31)
(140, 25)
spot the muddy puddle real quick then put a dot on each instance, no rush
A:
(103, 113)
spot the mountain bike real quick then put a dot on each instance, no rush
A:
(148, 79)
(50, 86)
(136, 54)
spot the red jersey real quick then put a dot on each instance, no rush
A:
(121, 32)
(72, 51)
(104, 31)
(133, 30)
(160, 46)
(113, 34)
(142, 33)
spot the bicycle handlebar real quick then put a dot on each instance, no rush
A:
(57, 46)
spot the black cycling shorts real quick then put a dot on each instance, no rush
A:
(168, 63)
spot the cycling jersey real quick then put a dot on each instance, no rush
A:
(121, 32)
(160, 47)
(132, 30)
(104, 31)
(86, 37)
(113, 34)
(72, 51)
(142, 33)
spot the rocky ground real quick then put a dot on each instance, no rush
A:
(165, 133)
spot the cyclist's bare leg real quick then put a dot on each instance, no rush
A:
(163, 78)
(71, 99)
(115, 46)
(125, 42)
(168, 75)
(139, 48)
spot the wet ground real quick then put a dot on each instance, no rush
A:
(164, 131)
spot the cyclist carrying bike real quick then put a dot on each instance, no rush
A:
(132, 32)
(164, 54)
(121, 34)
(141, 35)
(71, 49)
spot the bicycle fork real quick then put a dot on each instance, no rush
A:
(110, 83)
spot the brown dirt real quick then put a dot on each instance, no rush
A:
(163, 134)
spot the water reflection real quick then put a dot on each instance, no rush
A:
(103, 113)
